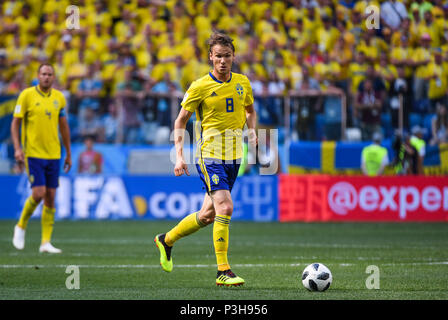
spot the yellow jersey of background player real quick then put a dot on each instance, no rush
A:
(40, 112)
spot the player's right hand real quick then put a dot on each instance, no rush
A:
(180, 168)
(20, 159)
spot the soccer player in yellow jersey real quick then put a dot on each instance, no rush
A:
(40, 113)
(223, 103)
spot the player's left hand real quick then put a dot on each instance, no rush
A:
(253, 139)
(67, 164)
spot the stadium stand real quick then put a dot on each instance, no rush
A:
(157, 48)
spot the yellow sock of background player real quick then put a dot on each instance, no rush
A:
(27, 212)
(185, 227)
(47, 221)
(221, 240)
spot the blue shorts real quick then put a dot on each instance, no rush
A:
(43, 172)
(217, 174)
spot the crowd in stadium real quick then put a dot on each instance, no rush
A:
(125, 51)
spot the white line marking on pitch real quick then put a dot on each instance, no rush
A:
(143, 266)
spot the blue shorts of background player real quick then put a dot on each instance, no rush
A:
(43, 172)
(218, 174)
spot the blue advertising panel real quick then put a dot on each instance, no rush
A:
(140, 197)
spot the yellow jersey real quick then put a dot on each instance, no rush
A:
(437, 86)
(40, 114)
(221, 115)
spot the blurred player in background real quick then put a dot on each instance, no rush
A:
(223, 103)
(40, 113)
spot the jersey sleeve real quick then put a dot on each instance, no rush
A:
(192, 98)
(20, 109)
(62, 111)
(249, 96)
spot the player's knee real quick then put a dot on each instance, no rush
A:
(225, 209)
(38, 194)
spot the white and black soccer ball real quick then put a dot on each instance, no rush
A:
(316, 277)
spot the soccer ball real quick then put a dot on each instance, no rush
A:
(316, 277)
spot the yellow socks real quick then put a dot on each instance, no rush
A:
(221, 240)
(191, 224)
(27, 212)
(185, 227)
(47, 219)
(47, 223)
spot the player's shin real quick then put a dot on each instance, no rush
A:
(185, 227)
(27, 212)
(47, 221)
(221, 240)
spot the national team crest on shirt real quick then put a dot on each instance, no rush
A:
(215, 178)
(239, 89)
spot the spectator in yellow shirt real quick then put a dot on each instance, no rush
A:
(296, 71)
(349, 38)
(98, 39)
(303, 37)
(386, 71)
(123, 28)
(181, 22)
(232, 20)
(355, 26)
(437, 75)
(403, 30)
(415, 22)
(327, 72)
(401, 56)
(327, 34)
(27, 24)
(294, 12)
(100, 15)
(280, 70)
(76, 72)
(428, 26)
(371, 45)
(343, 55)
(357, 72)
(421, 59)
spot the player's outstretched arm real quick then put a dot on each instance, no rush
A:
(65, 133)
(179, 131)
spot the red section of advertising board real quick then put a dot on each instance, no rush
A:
(357, 198)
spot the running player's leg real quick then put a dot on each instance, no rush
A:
(37, 194)
(48, 213)
(190, 224)
(49, 209)
(36, 177)
(223, 205)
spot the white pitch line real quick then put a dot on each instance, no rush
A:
(255, 265)
(148, 242)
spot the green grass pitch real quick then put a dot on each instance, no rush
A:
(118, 260)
